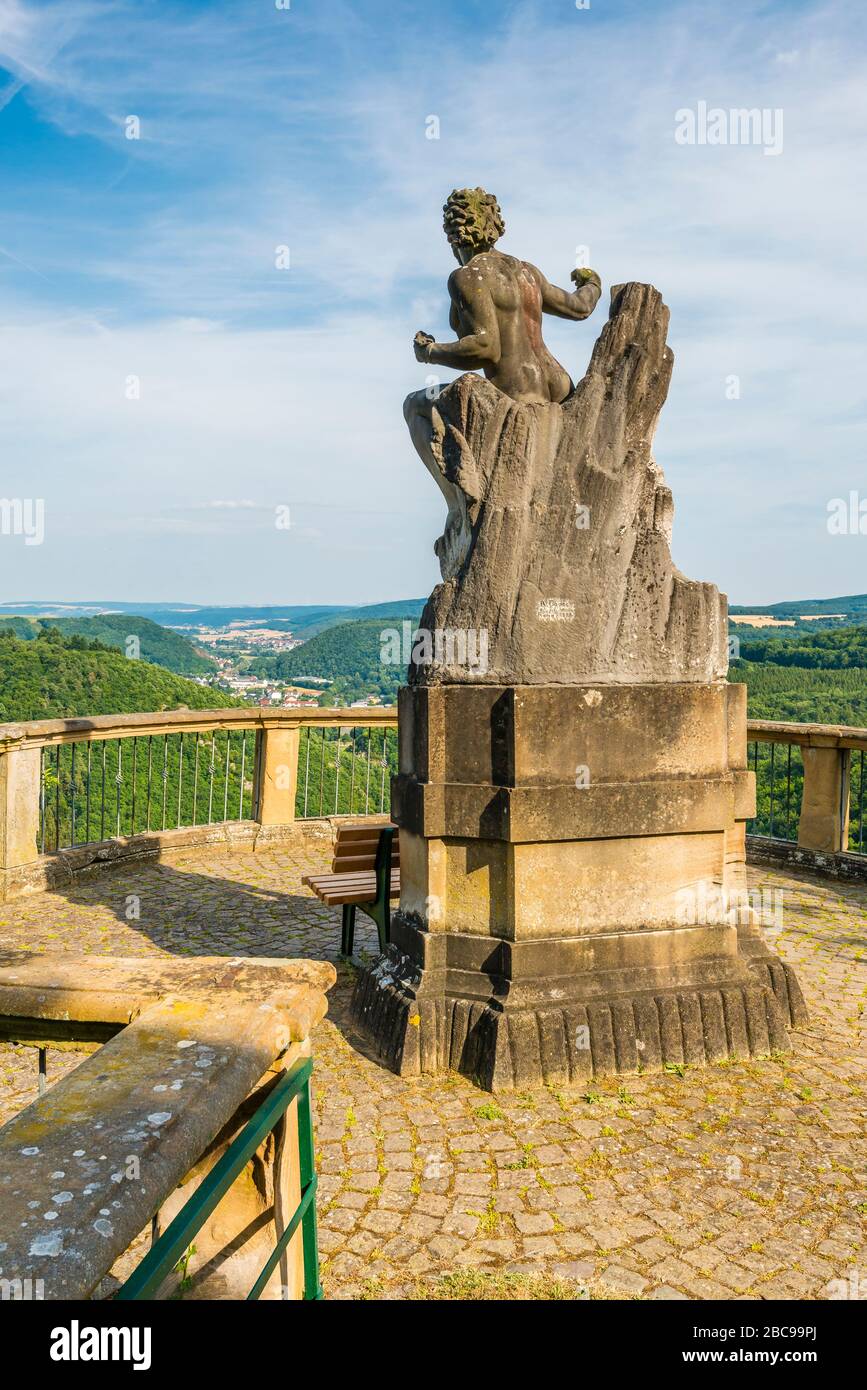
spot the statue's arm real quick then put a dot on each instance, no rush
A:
(478, 348)
(576, 304)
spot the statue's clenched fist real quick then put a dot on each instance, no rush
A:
(583, 276)
(421, 345)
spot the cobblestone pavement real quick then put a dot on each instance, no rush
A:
(739, 1180)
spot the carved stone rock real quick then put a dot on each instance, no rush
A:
(557, 541)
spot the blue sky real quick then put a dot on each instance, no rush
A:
(305, 127)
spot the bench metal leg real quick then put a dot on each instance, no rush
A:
(383, 922)
(348, 929)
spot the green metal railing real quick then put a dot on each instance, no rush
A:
(169, 1249)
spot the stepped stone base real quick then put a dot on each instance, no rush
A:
(553, 928)
(418, 1028)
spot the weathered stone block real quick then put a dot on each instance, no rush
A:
(562, 601)
(532, 907)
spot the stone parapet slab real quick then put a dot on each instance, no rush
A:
(600, 811)
(102, 1150)
(540, 735)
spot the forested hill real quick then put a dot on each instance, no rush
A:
(156, 644)
(803, 695)
(812, 678)
(837, 649)
(58, 677)
(350, 655)
(852, 606)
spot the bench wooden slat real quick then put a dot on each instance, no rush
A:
(351, 880)
(347, 863)
(335, 880)
(361, 832)
(357, 891)
(358, 844)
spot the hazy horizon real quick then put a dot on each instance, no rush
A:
(194, 605)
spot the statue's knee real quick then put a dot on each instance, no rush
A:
(416, 406)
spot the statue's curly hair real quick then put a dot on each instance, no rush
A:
(472, 217)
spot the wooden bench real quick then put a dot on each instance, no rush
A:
(365, 873)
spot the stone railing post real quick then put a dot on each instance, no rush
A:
(278, 774)
(824, 822)
(19, 808)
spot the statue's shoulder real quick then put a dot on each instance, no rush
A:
(464, 277)
(485, 266)
(532, 270)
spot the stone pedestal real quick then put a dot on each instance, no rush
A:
(571, 864)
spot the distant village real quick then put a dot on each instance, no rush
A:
(241, 639)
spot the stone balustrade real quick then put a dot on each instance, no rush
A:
(132, 1132)
(274, 772)
(824, 817)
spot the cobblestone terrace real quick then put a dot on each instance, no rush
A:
(736, 1181)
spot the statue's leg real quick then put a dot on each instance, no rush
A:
(425, 426)
(427, 431)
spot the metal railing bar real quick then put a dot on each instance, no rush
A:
(57, 803)
(87, 795)
(42, 800)
(176, 1239)
(165, 775)
(102, 796)
(226, 776)
(773, 747)
(211, 767)
(789, 793)
(196, 779)
(307, 1196)
(180, 780)
(118, 780)
(382, 778)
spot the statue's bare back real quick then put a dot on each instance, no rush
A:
(497, 304)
